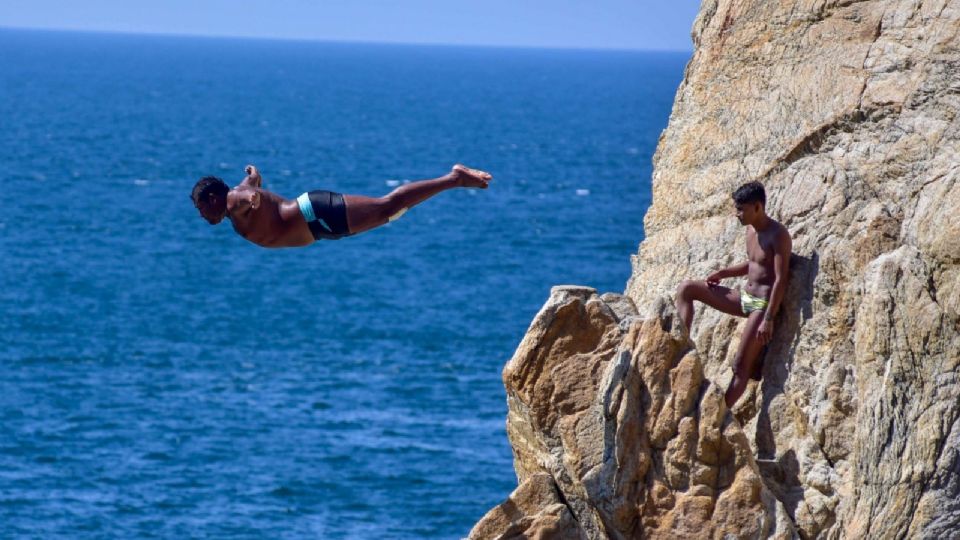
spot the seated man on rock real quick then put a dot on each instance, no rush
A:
(766, 268)
(269, 220)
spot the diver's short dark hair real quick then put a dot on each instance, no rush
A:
(750, 192)
(207, 185)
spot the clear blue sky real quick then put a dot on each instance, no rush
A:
(619, 24)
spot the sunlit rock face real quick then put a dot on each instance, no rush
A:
(612, 413)
(848, 113)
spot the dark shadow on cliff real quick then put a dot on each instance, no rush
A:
(781, 474)
(782, 478)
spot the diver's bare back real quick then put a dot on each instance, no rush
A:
(267, 219)
(761, 251)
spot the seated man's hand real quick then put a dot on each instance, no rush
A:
(765, 332)
(714, 279)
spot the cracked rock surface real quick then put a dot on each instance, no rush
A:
(847, 111)
(614, 413)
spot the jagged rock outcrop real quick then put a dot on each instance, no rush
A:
(613, 413)
(848, 112)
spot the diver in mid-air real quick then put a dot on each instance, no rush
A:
(269, 220)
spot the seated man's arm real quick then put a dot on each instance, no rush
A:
(253, 177)
(781, 271)
(736, 270)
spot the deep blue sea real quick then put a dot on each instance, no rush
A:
(162, 378)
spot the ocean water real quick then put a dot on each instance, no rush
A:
(162, 378)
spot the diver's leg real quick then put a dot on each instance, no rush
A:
(365, 213)
(718, 297)
(743, 364)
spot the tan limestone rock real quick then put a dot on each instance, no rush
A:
(615, 411)
(849, 112)
(533, 511)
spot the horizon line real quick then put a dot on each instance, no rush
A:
(334, 41)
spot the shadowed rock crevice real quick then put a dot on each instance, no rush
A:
(821, 138)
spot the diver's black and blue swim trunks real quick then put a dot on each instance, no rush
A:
(325, 213)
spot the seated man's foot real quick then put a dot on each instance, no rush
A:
(468, 177)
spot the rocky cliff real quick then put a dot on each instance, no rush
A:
(847, 111)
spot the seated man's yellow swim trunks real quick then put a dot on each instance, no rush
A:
(750, 303)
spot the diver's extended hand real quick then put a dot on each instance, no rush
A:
(253, 176)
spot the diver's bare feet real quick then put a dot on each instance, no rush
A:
(468, 177)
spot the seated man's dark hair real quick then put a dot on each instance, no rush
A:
(207, 185)
(750, 192)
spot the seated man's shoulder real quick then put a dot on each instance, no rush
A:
(783, 234)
